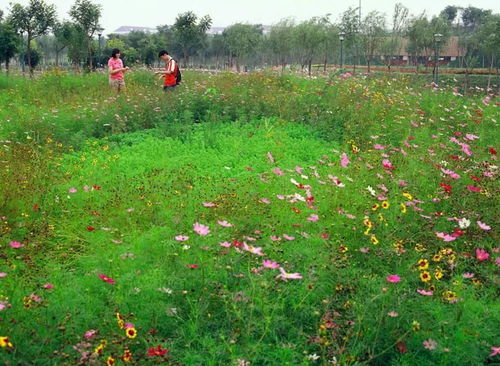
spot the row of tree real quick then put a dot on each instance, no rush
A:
(31, 30)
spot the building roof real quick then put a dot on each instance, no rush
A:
(125, 29)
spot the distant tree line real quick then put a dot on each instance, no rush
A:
(32, 34)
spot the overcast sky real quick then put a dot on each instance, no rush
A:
(150, 13)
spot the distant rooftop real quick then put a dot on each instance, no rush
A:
(126, 29)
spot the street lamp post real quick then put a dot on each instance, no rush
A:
(341, 38)
(437, 39)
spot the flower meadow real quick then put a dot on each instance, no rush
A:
(261, 219)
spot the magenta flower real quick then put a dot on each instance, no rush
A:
(393, 278)
(3, 274)
(72, 190)
(201, 229)
(313, 218)
(288, 276)
(16, 244)
(387, 164)
(270, 264)
(425, 293)
(182, 238)
(344, 161)
(48, 286)
(224, 224)
(473, 189)
(468, 275)
(483, 226)
(482, 255)
(225, 244)
(289, 237)
(89, 334)
(494, 351)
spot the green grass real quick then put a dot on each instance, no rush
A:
(144, 181)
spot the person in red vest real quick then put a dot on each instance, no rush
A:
(170, 73)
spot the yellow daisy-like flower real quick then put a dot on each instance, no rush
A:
(110, 361)
(375, 207)
(437, 258)
(367, 231)
(131, 333)
(450, 296)
(476, 282)
(99, 349)
(423, 264)
(403, 208)
(367, 222)
(5, 343)
(127, 356)
(386, 205)
(381, 217)
(438, 274)
(420, 248)
(343, 249)
(407, 196)
(374, 240)
(425, 276)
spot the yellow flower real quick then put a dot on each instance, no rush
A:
(131, 332)
(423, 264)
(420, 248)
(425, 276)
(403, 208)
(476, 282)
(367, 223)
(450, 296)
(374, 240)
(375, 207)
(4, 342)
(99, 349)
(415, 325)
(385, 205)
(110, 361)
(438, 274)
(127, 356)
(407, 196)
(381, 217)
(437, 258)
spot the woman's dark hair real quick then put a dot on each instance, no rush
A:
(115, 52)
(162, 53)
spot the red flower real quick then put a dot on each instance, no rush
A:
(192, 266)
(36, 207)
(96, 187)
(473, 189)
(237, 244)
(492, 151)
(106, 279)
(446, 187)
(473, 177)
(158, 351)
(90, 228)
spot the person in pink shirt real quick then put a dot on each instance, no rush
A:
(116, 71)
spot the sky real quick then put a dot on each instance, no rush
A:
(151, 13)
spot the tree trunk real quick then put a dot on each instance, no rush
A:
(28, 55)
(310, 66)
(489, 73)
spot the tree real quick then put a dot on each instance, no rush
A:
(86, 15)
(281, 41)
(450, 13)
(489, 41)
(241, 40)
(9, 43)
(191, 33)
(349, 24)
(372, 35)
(34, 20)
(392, 44)
(308, 38)
(473, 17)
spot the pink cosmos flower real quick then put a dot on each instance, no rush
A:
(393, 314)
(72, 190)
(182, 238)
(106, 279)
(200, 229)
(313, 218)
(288, 276)
(387, 164)
(225, 244)
(288, 237)
(446, 237)
(451, 173)
(48, 286)
(494, 351)
(299, 169)
(364, 250)
(344, 161)
(378, 147)
(89, 334)
(425, 293)
(271, 159)
(208, 204)
(483, 226)
(270, 264)
(278, 171)
(429, 344)
(393, 278)
(468, 275)
(482, 254)
(3, 274)
(473, 189)
(16, 244)
(253, 250)
(265, 200)
(224, 224)
(275, 238)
